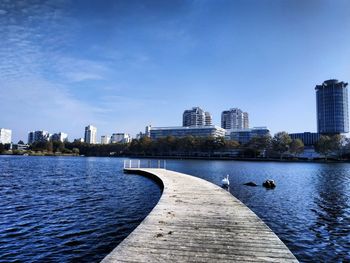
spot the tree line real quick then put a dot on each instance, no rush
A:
(281, 146)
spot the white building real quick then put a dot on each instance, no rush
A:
(234, 119)
(120, 138)
(5, 136)
(90, 134)
(195, 131)
(196, 117)
(59, 137)
(105, 139)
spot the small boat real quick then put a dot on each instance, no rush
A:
(226, 181)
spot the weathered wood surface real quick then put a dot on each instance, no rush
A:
(197, 221)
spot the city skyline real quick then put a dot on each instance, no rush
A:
(126, 64)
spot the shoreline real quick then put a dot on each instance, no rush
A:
(170, 157)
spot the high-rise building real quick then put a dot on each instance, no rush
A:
(208, 119)
(38, 136)
(245, 120)
(332, 107)
(59, 137)
(105, 139)
(5, 136)
(234, 118)
(120, 138)
(90, 134)
(196, 117)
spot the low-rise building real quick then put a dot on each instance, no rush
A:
(20, 147)
(245, 135)
(308, 138)
(180, 131)
(5, 136)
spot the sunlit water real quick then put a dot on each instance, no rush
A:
(309, 209)
(56, 209)
(67, 209)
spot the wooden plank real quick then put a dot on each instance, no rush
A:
(197, 221)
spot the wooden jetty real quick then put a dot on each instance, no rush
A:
(197, 221)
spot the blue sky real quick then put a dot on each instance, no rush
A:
(122, 65)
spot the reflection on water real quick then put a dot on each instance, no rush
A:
(332, 213)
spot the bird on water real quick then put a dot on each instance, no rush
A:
(226, 181)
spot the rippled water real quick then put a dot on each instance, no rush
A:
(67, 209)
(309, 209)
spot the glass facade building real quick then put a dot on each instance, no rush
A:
(245, 135)
(332, 107)
(198, 131)
(308, 138)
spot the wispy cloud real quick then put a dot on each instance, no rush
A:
(76, 70)
(39, 104)
(35, 72)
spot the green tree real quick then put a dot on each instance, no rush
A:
(7, 146)
(323, 146)
(296, 147)
(281, 143)
(231, 144)
(259, 144)
(186, 144)
(76, 151)
(58, 146)
(327, 145)
(49, 147)
(2, 148)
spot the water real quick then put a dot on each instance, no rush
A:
(309, 209)
(66, 209)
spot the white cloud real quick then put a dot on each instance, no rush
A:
(76, 70)
(34, 103)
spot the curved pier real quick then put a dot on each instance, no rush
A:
(197, 221)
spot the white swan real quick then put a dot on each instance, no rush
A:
(226, 181)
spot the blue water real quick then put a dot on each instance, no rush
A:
(71, 209)
(67, 209)
(309, 209)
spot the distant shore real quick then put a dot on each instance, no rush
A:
(219, 158)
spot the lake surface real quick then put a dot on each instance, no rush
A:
(71, 209)
(68, 209)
